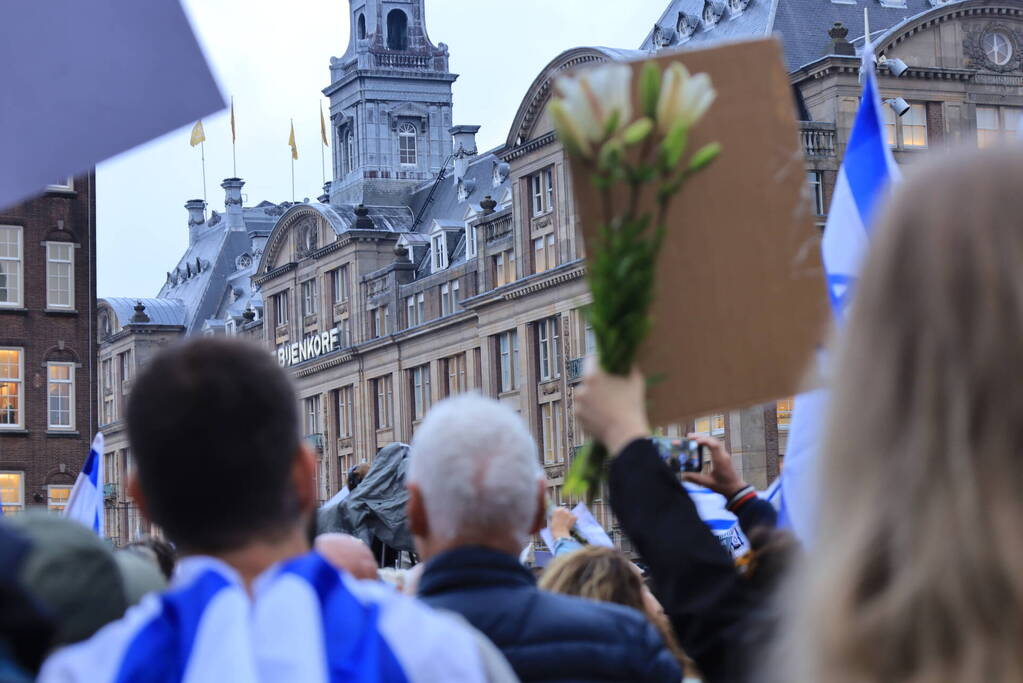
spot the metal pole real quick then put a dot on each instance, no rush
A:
(293, 179)
(202, 151)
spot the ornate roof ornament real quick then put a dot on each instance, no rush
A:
(248, 314)
(362, 220)
(140, 313)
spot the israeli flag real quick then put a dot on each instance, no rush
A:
(867, 171)
(710, 506)
(85, 504)
(302, 621)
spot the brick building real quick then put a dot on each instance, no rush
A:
(47, 343)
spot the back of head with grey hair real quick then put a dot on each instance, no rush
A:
(475, 463)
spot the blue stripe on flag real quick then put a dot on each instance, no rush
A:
(366, 659)
(866, 157)
(91, 468)
(160, 651)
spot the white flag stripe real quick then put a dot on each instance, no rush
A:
(85, 504)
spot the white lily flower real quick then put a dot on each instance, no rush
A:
(684, 98)
(590, 100)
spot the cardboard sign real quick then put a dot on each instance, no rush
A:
(740, 300)
(84, 81)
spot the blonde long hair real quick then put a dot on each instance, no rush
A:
(916, 574)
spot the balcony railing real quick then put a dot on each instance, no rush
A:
(818, 139)
(402, 60)
(574, 369)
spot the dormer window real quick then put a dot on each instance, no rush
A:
(736, 7)
(438, 252)
(686, 26)
(712, 11)
(406, 142)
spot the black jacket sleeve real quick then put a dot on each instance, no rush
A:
(708, 603)
(756, 513)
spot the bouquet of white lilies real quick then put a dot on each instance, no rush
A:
(638, 162)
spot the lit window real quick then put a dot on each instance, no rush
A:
(309, 306)
(420, 380)
(550, 425)
(382, 412)
(504, 268)
(60, 281)
(339, 284)
(407, 144)
(57, 497)
(995, 124)
(454, 371)
(345, 412)
(60, 392)
(710, 425)
(813, 178)
(508, 350)
(10, 266)
(543, 253)
(549, 356)
(783, 411)
(914, 126)
(281, 308)
(890, 125)
(12, 492)
(12, 371)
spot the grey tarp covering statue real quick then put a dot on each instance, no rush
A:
(376, 508)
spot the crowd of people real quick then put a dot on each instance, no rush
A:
(913, 575)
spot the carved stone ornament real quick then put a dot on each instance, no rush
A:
(243, 262)
(986, 45)
(306, 235)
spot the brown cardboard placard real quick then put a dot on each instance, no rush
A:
(741, 301)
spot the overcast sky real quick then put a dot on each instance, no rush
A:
(273, 57)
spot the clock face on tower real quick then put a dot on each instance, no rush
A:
(997, 47)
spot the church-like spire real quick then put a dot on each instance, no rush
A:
(387, 138)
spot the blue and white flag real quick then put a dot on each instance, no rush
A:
(710, 506)
(85, 504)
(867, 171)
(304, 621)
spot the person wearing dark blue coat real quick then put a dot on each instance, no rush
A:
(476, 493)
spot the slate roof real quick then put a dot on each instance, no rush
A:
(802, 25)
(160, 311)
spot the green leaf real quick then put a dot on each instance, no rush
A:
(611, 125)
(674, 145)
(704, 156)
(650, 88)
(638, 130)
(610, 154)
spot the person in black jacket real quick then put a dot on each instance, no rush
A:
(476, 493)
(720, 619)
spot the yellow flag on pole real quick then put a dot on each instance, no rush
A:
(198, 135)
(233, 138)
(291, 141)
(323, 128)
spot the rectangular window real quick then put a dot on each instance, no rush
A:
(914, 126)
(345, 337)
(311, 415)
(12, 492)
(60, 395)
(454, 375)
(995, 124)
(411, 317)
(309, 290)
(438, 252)
(542, 191)
(783, 411)
(711, 425)
(10, 266)
(383, 393)
(589, 338)
(551, 428)
(470, 240)
(57, 497)
(454, 296)
(543, 253)
(814, 180)
(345, 412)
(421, 307)
(508, 350)
(445, 299)
(339, 285)
(108, 407)
(281, 309)
(12, 373)
(379, 320)
(549, 355)
(890, 125)
(125, 367)
(504, 268)
(420, 380)
(60, 270)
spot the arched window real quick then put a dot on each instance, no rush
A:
(407, 144)
(362, 27)
(397, 30)
(350, 151)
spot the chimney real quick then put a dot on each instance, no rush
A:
(233, 203)
(196, 217)
(464, 148)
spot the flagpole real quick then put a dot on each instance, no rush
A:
(202, 151)
(323, 165)
(234, 157)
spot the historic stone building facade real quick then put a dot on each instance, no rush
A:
(47, 343)
(429, 267)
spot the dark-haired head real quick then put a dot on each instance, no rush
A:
(214, 433)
